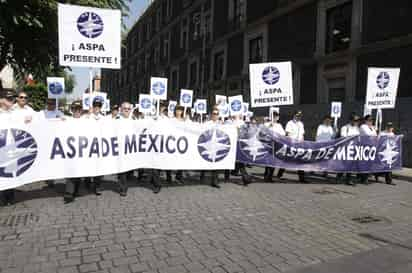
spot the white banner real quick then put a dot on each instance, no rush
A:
(336, 109)
(145, 104)
(89, 37)
(55, 87)
(382, 87)
(236, 105)
(186, 98)
(80, 148)
(271, 84)
(158, 88)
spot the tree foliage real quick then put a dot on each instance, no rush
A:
(29, 33)
(37, 95)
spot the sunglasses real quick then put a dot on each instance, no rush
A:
(215, 113)
(127, 109)
(22, 97)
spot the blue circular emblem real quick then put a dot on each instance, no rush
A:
(213, 145)
(271, 75)
(56, 88)
(236, 106)
(158, 88)
(201, 106)
(18, 150)
(186, 98)
(90, 25)
(145, 103)
(383, 80)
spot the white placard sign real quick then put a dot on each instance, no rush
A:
(271, 84)
(158, 88)
(336, 109)
(89, 37)
(382, 87)
(201, 106)
(236, 105)
(245, 108)
(145, 104)
(224, 110)
(171, 108)
(86, 101)
(106, 106)
(186, 98)
(221, 99)
(55, 87)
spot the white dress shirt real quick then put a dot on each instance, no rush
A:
(276, 128)
(295, 130)
(366, 130)
(325, 133)
(349, 130)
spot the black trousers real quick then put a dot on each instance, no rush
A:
(72, 187)
(8, 196)
(123, 177)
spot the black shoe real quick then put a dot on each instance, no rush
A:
(215, 185)
(157, 189)
(350, 183)
(123, 193)
(246, 180)
(68, 198)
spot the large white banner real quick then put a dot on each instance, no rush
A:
(271, 84)
(80, 148)
(89, 37)
(382, 87)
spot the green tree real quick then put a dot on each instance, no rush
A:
(29, 33)
(37, 95)
(69, 83)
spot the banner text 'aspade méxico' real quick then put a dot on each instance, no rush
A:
(257, 145)
(81, 148)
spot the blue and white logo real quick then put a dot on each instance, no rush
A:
(186, 98)
(87, 101)
(251, 145)
(271, 75)
(213, 145)
(201, 106)
(172, 107)
(383, 80)
(390, 153)
(158, 88)
(90, 25)
(236, 106)
(56, 88)
(145, 103)
(18, 150)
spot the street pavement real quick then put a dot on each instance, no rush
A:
(265, 227)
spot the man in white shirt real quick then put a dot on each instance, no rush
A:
(51, 112)
(367, 128)
(295, 130)
(125, 114)
(325, 131)
(20, 108)
(6, 114)
(277, 129)
(349, 130)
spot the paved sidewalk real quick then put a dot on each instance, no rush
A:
(266, 227)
